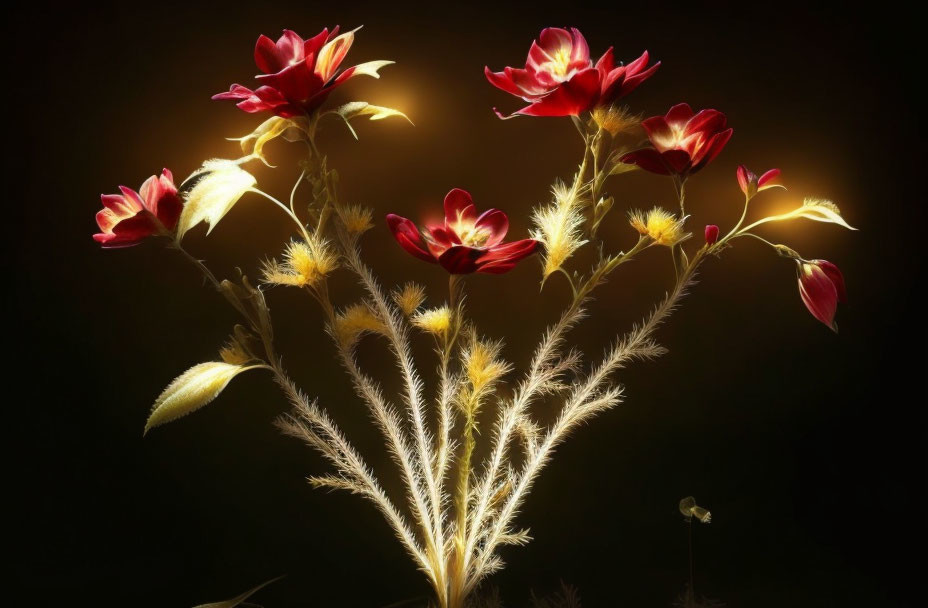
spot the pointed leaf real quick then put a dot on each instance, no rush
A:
(192, 390)
(362, 108)
(253, 143)
(222, 185)
(370, 68)
(815, 209)
(237, 601)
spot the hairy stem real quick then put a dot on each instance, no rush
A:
(586, 400)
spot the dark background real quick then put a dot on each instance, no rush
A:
(808, 447)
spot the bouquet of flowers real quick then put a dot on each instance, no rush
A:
(457, 510)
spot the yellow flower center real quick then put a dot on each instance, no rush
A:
(469, 233)
(561, 62)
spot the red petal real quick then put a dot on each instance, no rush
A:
(834, 274)
(459, 206)
(150, 192)
(407, 235)
(267, 56)
(553, 38)
(118, 205)
(679, 161)
(712, 234)
(630, 83)
(169, 208)
(536, 57)
(708, 152)
(606, 63)
(658, 130)
(503, 258)
(521, 83)
(526, 82)
(106, 219)
(129, 231)
(681, 112)
(611, 81)
(765, 180)
(443, 237)
(496, 222)
(460, 259)
(297, 82)
(289, 48)
(648, 159)
(312, 45)
(131, 199)
(580, 50)
(745, 177)
(637, 65)
(707, 121)
(818, 293)
(236, 91)
(570, 99)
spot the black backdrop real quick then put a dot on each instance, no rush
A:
(807, 446)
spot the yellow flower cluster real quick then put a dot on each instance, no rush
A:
(615, 119)
(435, 321)
(483, 364)
(557, 226)
(356, 218)
(354, 321)
(233, 353)
(409, 298)
(305, 265)
(662, 226)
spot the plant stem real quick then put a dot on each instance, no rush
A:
(287, 210)
(692, 589)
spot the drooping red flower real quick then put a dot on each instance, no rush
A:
(559, 78)
(683, 142)
(128, 218)
(465, 242)
(298, 75)
(750, 184)
(712, 234)
(821, 287)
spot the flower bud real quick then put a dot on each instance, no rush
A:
(750, 184)
(821, 287)
(712, 234)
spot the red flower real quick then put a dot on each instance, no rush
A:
(466, 242)
(712, 234)
(683, 142)
(559, 78)
(821, 286)
(298, 74)
(130, 217)
(751, 184)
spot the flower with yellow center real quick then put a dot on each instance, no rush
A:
(660, 225)
(465, 241)
(467, 230)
